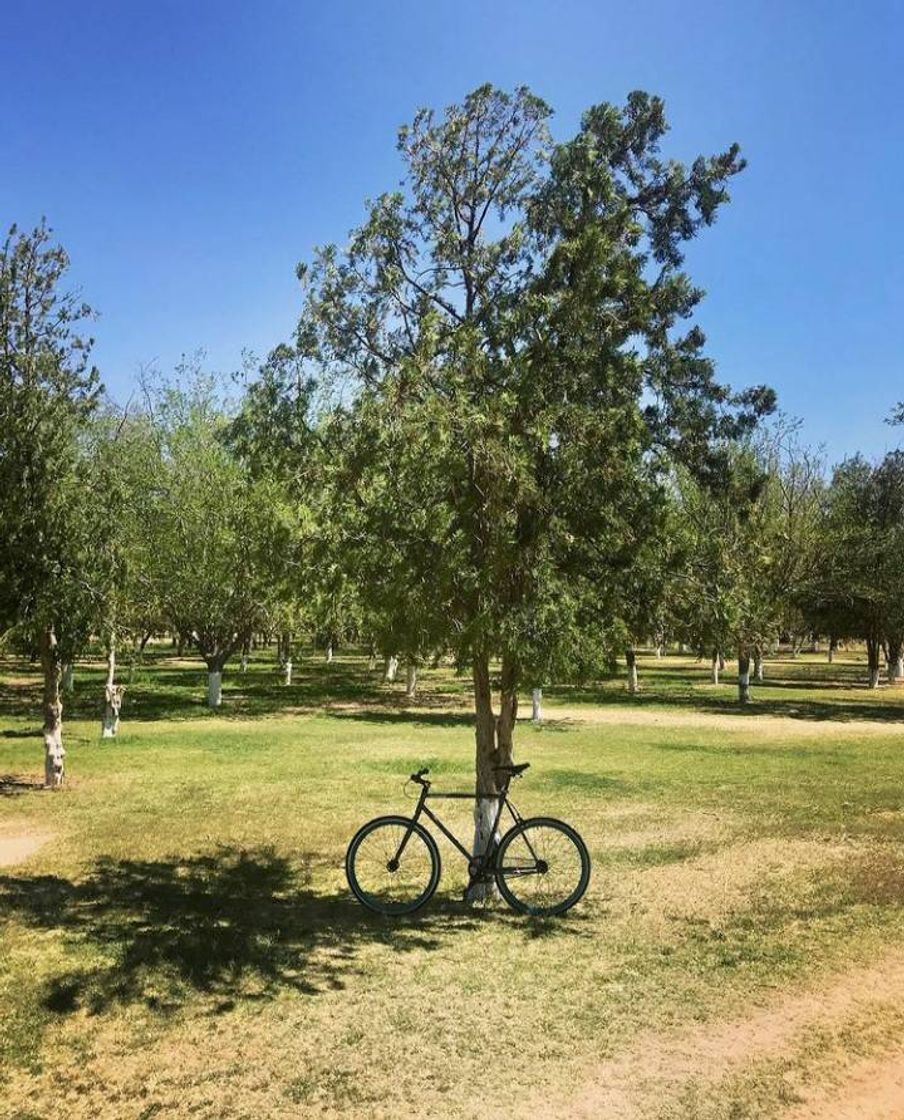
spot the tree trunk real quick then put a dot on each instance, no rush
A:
(536, 698)
(410, 679)
(833, 645)
(743, 676)
(895, 656)
(112, 695)
(493, 739)
(214, 683)
(872, 658)
(758, 663)
(246, 645)
(372, 660)
(54, 753)
(329, 653)
(716, 668)
(391, 668)
(721, 662)
(68, 681)
(631, 659)
(287, 670)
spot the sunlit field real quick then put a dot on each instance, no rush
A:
(177, 938)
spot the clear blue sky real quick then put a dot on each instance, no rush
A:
(189, 153)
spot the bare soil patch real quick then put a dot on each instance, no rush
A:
(777, 726)
(635, 1084)
(874, 1090)
(18, 846)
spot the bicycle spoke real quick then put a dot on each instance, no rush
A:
(385, 880)
(543, 868)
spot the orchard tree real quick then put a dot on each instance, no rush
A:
(210, 527)
(855, 590)
(48, 391)
(510, 327)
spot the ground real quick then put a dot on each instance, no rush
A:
(176, 938)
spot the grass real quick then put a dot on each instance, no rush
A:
(183, 943)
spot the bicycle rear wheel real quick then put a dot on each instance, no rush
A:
(385, 876)
(542, 867)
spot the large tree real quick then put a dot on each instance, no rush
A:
(510, 329)
(48, 390)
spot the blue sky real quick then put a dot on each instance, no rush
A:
(189, 154)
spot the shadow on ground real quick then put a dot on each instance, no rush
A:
(232, 925)
(872, 707)
(13, 785)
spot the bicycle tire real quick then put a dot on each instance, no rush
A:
(564, 850)
(381, 901)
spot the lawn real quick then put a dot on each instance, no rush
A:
(176, 937)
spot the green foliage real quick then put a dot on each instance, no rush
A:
(748, 540)
(507, 323)
(855, 591)
(213, 535)
(48, 391)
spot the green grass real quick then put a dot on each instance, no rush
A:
(184, 942)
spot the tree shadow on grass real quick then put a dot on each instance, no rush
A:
(229, 926)
(871, 708)
(14, 785)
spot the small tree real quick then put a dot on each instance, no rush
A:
(210, 527)
(48, 390)
(855, 587)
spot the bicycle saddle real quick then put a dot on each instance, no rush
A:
(514, 769)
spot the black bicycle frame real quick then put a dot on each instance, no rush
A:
(423, 808)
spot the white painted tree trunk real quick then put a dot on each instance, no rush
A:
(112, 696)
(744, 678)
(484, 816)
(896, 670)
(536, 699)
(372, 661)
(758, 671)
(410, 680)
(244, 662)
(631, 659)
(54, 753)
(287, 669)
(874, 677)
(329, 653)
(214, 688)
(715, 668)
(391, 669)
(68, 677)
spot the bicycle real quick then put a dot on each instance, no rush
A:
(541, 865)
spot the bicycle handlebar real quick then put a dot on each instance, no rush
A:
(419, 776)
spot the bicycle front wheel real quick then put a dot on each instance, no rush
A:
(542, 867)
(392, 865)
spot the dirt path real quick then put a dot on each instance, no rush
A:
(18, 847)
(873, 1091)
(635, 1085)
(756, 724)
